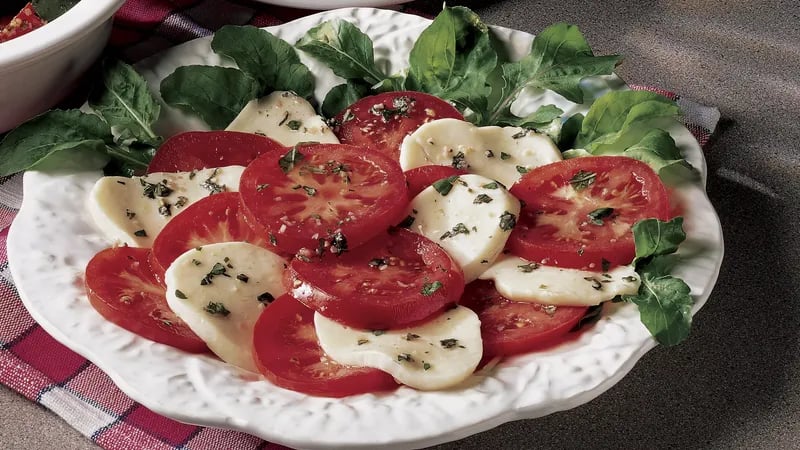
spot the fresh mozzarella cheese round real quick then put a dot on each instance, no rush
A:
(521, 280)
(285, 117)
(219, 290)
(499, 153)
(132, 211)
(434, 355)
(471, 218)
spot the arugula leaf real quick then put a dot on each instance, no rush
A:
(269, 60)
(559, 59)
(73, 138)
(626, 123)
(664, 302)
(453, 58)
(197, 89)
(658, 149)
(345, 49)
(569, 131)
(537, 120)
(665, 306)
(128, 160)
(51, 9)
(619, 119)
(125, 102)
(342, 96)
(654, 237)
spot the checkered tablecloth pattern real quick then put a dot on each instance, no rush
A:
(45, 371)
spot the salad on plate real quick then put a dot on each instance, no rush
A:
(340, 226)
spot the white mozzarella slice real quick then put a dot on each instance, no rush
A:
(471, 222)
(219, 290)
(521, 280)
(434, 355)
(133, 211)
(285, 117)
(499, 153)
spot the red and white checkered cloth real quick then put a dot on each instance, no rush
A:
(43, 370)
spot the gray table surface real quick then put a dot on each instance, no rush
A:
(736, 382)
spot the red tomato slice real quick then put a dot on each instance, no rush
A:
(579, 212)
(213, 219)
(382, 121)
(421, 177)
(123, 289)
(286, 352)
(395, 280)
(24, 22)
(323, 196)
(195, 150)
(510, 328)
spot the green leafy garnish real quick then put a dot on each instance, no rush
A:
(342, 96)
(538, 120)
(658, 150)
(64, 139)
(619, 119)
(596, 217)
(196, 89)
(269, 60)
(288, 161)
(125, 102)
(508, 221)
(445, 185)
(459, 228)
(528, 268)
(559, 59)
(429, 288)
(665, 305)
(216, 309)
(117, 135)
(449, 343)
(664, 302)
(345, 49)
(453, 58)
(654, 237)
(482, 198)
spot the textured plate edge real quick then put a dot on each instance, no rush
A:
(450, 435)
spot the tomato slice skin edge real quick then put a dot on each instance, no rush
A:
(287, 353)
(123, 289)
(511, 328)
(383, 120)
(195, 150)
(213, 219)
(421, 177)
(393, 281)
(559, 223)
(329, 195)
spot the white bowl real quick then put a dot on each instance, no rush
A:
(40, 68)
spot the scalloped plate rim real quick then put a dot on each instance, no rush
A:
(517, 411)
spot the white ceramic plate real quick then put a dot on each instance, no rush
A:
(53, 238)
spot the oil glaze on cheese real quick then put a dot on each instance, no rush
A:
(133, 211)
(284, 117)
(434, 355)
(248, 273)
(520, 280)
(499, 153)
(466, 221)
